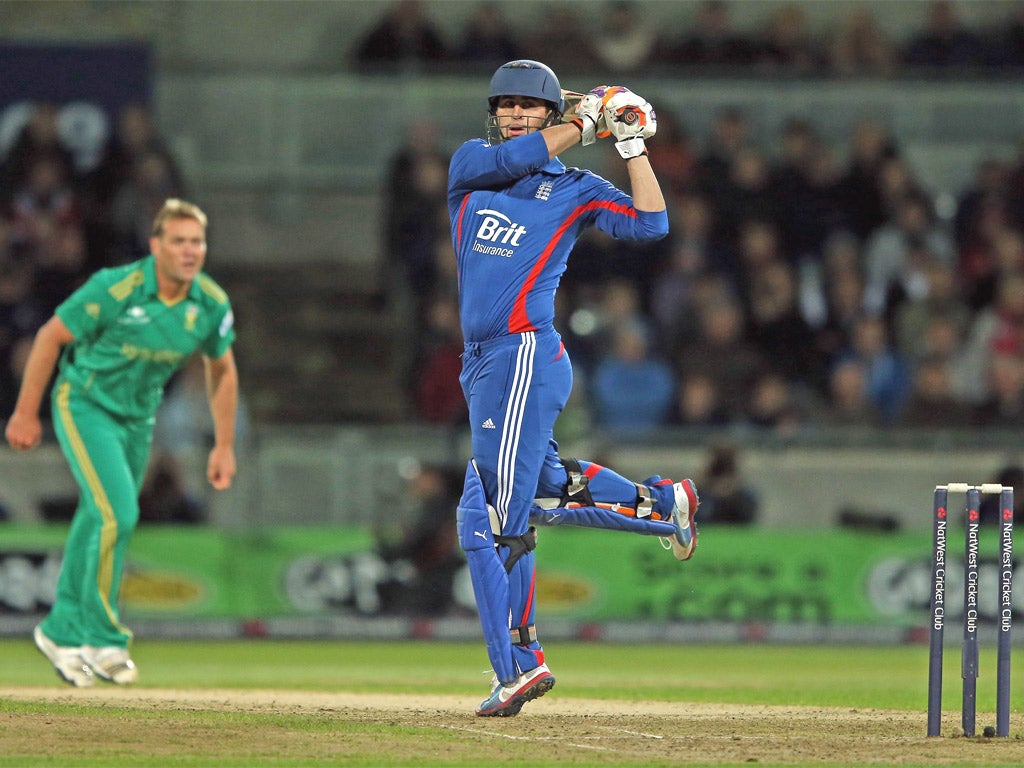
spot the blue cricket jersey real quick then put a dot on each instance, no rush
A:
(515, 216)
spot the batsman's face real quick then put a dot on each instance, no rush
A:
(180, 250)
(520, 115)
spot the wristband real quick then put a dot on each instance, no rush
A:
(631, 147)
(587, 128)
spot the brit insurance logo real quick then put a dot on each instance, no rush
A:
(497, 234)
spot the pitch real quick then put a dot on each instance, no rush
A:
(262, 703)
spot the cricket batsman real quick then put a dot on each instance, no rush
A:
(516, 212)
(118, 339)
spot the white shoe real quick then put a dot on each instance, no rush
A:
(507, 700)
(66, 660)
(684, 542)
(112, 663)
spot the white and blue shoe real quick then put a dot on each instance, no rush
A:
(507, 700)
(684, 543)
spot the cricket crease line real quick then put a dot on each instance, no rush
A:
(509, 736)
(589, 746)
(633, 733)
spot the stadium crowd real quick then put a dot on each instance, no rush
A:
(803, 282)
(619, 36)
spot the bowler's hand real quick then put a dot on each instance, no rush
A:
(24, 432)
(220, 469)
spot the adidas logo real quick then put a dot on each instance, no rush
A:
(488, 424)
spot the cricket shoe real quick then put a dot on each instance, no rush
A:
(684, 543)
(507, 700)
(66, 660)
(112, 664)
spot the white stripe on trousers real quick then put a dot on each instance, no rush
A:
(513, 426)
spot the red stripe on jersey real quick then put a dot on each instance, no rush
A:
(458, 235)
(518, 322)
(458, 225)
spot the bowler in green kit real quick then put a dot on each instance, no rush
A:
(115, 342)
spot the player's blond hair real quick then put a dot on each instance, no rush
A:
(177, 209)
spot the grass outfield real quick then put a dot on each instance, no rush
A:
(264, 703)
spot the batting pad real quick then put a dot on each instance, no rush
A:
(600, 517)
(487, 573)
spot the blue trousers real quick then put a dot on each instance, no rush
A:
(515, 387)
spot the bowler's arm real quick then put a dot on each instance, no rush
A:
(222, 393)
(24, 429)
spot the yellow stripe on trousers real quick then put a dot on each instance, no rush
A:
(108, 531)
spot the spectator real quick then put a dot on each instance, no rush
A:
(726, 498)
(713, 43)
(849, 404)
(631, 391)
(1013, 39)
(611, 306)
(164, 498)
(758, 247)
(933, 402)
(699, 402)
(135, 137)
(778, 329)
(945, 44)
(945, 339)
(788, 48)
(404, 38)
(136, 201)
(861, 48)
(806, 183)
(486, 39)
(415, 213)
(61, 266)
(898, 252)
(888, 380)
(21, 315)
(43, 202)
(427, 555)
(997, 251)
(694, 255)
(987, 193)
(861, 188)
(939, 299)
(843, 292)
(675, 160)
(562, 41)
(625, 44)
(772, 406)
(730, 134)
(437, 394)
(719, 344)
(1004, 406)
(746, 196)
(39, 139)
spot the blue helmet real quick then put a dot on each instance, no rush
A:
(524, 77)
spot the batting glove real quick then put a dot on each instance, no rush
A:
(590, 118)
(629, 115)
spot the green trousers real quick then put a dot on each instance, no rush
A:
(108, 459)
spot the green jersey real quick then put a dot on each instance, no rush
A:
(128, 341)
